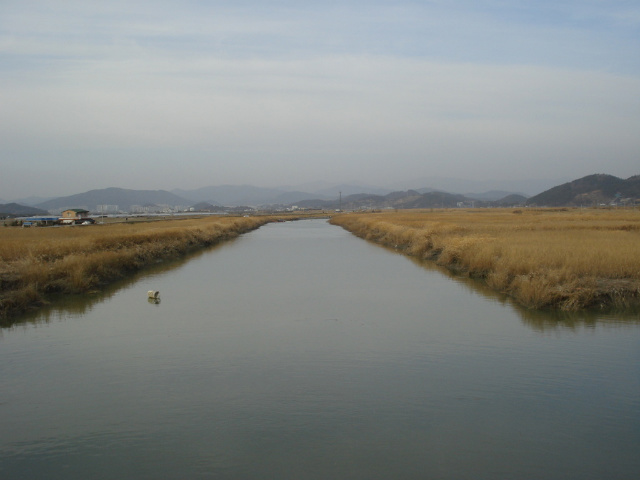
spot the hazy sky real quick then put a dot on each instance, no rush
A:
(163, 94)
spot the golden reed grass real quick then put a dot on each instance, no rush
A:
(544, 258)
(38, 261)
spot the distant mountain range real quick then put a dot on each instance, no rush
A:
(241, 195)
(214, 197)
(251, 195)
(410, 199)
(587, 191)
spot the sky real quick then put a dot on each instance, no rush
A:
(184, 94)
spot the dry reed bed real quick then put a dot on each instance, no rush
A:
(38, 261)
(567, 259)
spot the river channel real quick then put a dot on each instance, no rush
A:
(299, 351)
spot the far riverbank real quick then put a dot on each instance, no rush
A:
(567, 259)
(38, 262)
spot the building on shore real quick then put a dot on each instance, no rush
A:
(75, 214)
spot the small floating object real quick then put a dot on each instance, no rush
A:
(153, 296)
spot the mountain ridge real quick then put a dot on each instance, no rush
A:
(590, 190)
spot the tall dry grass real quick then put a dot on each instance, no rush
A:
(568, 259)
(38, 261)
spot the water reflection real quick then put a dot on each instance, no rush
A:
(538, 320)
(63, 306)
(558, 320)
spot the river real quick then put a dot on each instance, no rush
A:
(299, 351)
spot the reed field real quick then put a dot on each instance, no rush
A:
(38, 261)
(569, 259)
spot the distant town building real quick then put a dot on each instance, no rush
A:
(107, 209)
(161, 208)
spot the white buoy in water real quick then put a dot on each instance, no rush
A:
(153, 294)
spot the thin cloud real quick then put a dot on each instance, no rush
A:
(318, 89)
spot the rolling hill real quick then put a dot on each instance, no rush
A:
(114, 196)
(17, 210)
(591, 190)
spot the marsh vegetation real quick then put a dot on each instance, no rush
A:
(569, 259)
(35, 262)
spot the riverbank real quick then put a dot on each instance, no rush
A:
(36, 262)
(568, 259)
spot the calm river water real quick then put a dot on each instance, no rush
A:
(301, 352)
